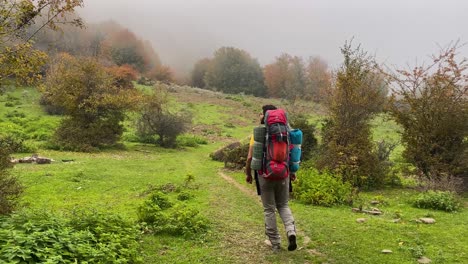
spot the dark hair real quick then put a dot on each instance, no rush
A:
(266, 108)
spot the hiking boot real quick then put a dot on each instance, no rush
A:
(276, 248)
(292, 242)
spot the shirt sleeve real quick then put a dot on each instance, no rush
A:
(251, 141)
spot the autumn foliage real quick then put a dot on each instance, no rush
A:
(289, 78)
(162, 73)
(93, 104)
(123, 75)
(431, 104)
(347, 147)
(19, 59)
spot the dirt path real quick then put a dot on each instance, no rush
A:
(252, 194)
(242, 188)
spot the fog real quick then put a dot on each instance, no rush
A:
(397, 32)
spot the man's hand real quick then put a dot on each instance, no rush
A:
(248, 178)
(248, 171)
(293, 176)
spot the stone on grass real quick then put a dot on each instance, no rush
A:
(424, 260)
(387, 251)
(361, 220)
(42, 160)
(427, 220)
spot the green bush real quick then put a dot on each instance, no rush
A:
(86, 237)
(438, 200)
(10, 187)
(190, 141)
(159, 215)
(324, 189)
(78, 135)
(309, 142)
(184, 196)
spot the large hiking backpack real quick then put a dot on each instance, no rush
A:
(276, 161)
(276, 149)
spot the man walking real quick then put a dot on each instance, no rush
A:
(274, 194)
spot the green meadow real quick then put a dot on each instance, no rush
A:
(118, 180)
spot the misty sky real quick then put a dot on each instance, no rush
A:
(182, 31)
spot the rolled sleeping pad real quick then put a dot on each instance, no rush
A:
(293, 166)
(295, 136)
(295, 153)
(259, 134)
(256, 164)
(257, 150)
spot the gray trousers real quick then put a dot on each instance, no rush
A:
(275, 195)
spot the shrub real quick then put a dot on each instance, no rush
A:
(324, 189)
(438, 200)
(40, 237)
(431, 104)
(190, 141)
(123, 76)
(347, 148)
(156, 119)
(95, 106)
(77, 135)
(159, 215)
(50, 108)
(162, 73)
(10, 187)
(309, 142)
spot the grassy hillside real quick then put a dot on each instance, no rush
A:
(118, 181)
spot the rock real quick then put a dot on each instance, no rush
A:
(396, 220)
(26, 160)
(42, 160)
(374, 202)
(424, 260)
(220, 154)
(361, 220)
(427, 220)
(387, 251)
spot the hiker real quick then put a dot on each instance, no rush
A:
(274, 194)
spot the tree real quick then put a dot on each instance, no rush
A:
(347, 148)
(235, 71)
(123, 47)
(123, 76)
(285, 78)
(18, 58)
(92, 101)
(431, 104)
(318, 79)
(156, 119)
(162, 73)
(276, 75)
(199, 72)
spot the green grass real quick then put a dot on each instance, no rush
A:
(117, 181)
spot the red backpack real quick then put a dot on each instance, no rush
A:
(276, 160)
